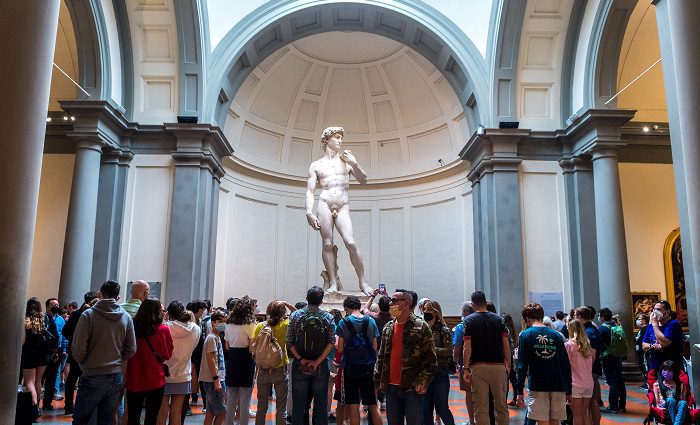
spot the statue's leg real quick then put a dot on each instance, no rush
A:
(325, 219)
(344, 226)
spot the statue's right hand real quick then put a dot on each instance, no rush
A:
(313, 221)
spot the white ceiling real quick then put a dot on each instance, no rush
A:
(400, 115)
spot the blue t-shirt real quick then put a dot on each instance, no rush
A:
(673, 331)
(543, 360)
(596, 340)
(372, 332)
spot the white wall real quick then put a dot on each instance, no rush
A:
(417, 237)
(651, 213)
(146, 228)
(545, 237)
(50, 230)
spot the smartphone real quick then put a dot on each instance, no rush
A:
(382, 288)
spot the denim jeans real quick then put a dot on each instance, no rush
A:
(437, 398)
(403, 406)
(617, 397)
(101, 392)
(676, 410)
(315, 384)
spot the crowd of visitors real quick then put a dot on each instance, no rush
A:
(142, 359)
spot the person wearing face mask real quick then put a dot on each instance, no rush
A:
(437, 396)
(671, 392)
(664, 337)
(54, 324)
(406, 362)
(641, 323)
(213, 370)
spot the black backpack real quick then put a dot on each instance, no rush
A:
(311, 337)
(358, 349)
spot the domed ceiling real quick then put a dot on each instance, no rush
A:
(401, 117)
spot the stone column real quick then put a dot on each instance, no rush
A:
(679, 38)
(613, 272)
(76, 268)
(194, 214)
(580, 217)
(25, 81)
(497, 221)
(114, 171)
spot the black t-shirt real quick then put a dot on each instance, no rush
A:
(486, 331)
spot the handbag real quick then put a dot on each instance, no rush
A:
(166, 369)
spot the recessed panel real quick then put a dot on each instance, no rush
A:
(345, 106)
(300, 152)
(384, 116)
(427, 148)
(274, 101)
(547, 6)
(376, 82)
(416, 100)
(159, 95)
(156, 45)
(261, 143)
(535, 102)
(267, 63)
(296, 278)
(389, 153)
(243, 93)
(391, 247)
(306, 116)
(540, 51)
(315, 85)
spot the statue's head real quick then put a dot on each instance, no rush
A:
(330, 132)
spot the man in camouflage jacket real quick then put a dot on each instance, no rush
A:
(406, 362)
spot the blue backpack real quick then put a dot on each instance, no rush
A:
(358, 349)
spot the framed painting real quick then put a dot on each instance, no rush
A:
(643, 303)
(675, 279)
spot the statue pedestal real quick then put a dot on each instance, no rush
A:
(335, 299)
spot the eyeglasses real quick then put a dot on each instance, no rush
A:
(395, 300)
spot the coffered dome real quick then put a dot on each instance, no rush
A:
(402, 118)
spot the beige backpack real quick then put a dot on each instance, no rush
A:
(266, 350)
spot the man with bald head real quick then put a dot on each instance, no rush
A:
(139, 292)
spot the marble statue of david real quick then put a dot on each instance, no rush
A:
(332, 173)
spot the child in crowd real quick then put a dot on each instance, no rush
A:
(670, 394)
(213, 372)
(581, 356)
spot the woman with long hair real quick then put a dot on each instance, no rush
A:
(581, 356)
(437, 396)
(278, 322)
(145, 375)
(513, 341)
(185, 334)
(240, 367)
(36, 350)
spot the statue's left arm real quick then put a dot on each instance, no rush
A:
(356, 170)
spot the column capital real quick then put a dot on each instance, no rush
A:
(200, 145)
(122, 156)
(493, 150)
(603, 151)
(96, 120)
(596, 129)
(570, 164)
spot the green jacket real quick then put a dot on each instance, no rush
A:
(442, 338)
(418, 360)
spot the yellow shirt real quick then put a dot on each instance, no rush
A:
(280, 333)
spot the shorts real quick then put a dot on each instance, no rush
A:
(581, 392)
(356, 389)
(543, 406)
(216, 400)
(177, 388)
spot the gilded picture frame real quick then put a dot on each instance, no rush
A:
(675, 279)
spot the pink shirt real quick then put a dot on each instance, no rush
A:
(581, 367)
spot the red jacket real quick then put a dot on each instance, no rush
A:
(143, 371)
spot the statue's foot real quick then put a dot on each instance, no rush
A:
(365, 288)
(332, 288)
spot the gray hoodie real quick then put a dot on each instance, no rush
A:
(104, 339)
